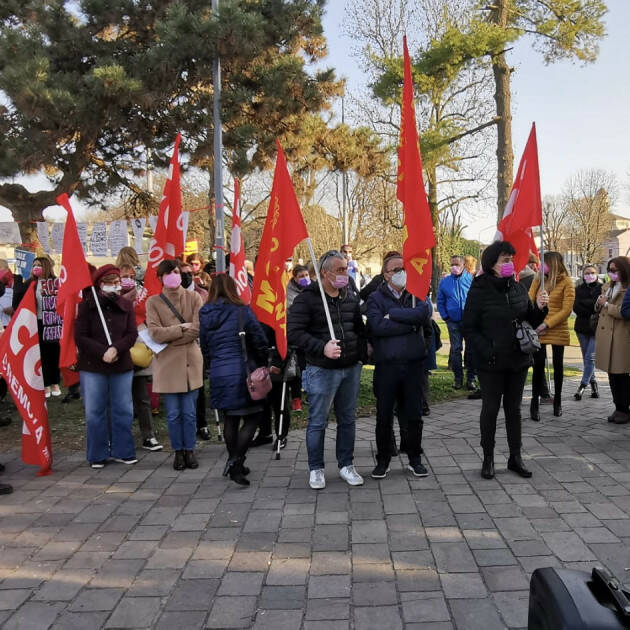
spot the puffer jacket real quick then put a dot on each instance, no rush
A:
(307, 328)
(219, 328)
(452, 294)
(584, 306)
(401, 336)
(492, 307)
(560, 308)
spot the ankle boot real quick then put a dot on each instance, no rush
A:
(534, 411)
(515, 464)
(244, 468)
(190, 460)
(594, 390)
(580, 391)
(178, 462)
(557, 406)
(237, 475)
(487, 468)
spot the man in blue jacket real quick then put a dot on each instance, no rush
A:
(397, 331)
(451, 300)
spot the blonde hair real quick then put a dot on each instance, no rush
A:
(127, 256)
(470, 264)
(557, 269)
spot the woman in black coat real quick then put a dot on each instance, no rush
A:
(584, 308)
(496, 301)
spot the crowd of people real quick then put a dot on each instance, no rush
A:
(133, 352)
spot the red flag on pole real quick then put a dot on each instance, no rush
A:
(168, 240)
(73, 277)
(524, 207)
(284, 229)
(21, 366)
(237, 251)
(419, 238)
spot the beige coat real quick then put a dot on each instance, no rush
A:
(612, 339)
(179, 367)
(560, 308)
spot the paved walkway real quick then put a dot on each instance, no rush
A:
(149, 547)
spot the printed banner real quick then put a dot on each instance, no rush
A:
(82, 229)
(57, 236)
(137, 225)
(98, 240)
(24, 262)
(118, 236)
(43, 236)
(10, 233)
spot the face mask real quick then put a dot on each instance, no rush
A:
(614, 276)
(545, 268)
(111, 289)
(340, 282)
(171, 280)
(507, 270)
(187, 279)
(127, 284)
(304, 282)
(37, 271)
(348, 255)
(399, 279)
(590, 277)
(288, 265)
(456, 270)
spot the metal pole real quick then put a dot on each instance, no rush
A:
(542, 257)
(219, 238)
(331, 330)
(344, 212)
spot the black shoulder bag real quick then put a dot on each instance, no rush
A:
(527, 337)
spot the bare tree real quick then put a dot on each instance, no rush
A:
(556, 222)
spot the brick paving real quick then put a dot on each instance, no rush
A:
(148, 547)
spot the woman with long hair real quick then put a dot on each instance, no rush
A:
(200, 277)
(127, 256)
(584, 308)
(221, 321)
(612, 339)
(554, 330)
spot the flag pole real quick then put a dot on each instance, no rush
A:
(321, 288)
(100, 312)
(542, 256)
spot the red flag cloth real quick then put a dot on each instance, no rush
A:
(21, 366)
(168, 240)
(524, 207)
(418, 237)
(73, 277)
(237, 251)
(284, 229)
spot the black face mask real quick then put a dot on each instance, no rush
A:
(2, 289)
(187, 279)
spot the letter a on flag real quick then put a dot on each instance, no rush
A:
(21, 366)
(284, 229)
(418, 236)
(237, 251)
(524, 207)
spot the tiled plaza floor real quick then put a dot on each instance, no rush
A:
(145, 546)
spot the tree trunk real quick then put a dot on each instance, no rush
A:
(502, 97)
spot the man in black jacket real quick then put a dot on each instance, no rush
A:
(397, 332)
(333, 366)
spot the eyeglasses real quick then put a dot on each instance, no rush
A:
(396, 270)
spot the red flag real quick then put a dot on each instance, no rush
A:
(524, 207)
(419, 238)
(73, 277)
(284, 229)
(21, 366)
(168, 240)
(237, 251)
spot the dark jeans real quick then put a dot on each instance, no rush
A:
(538, 376)
(296, 387)
(142, 405)
(456, 338)
(272, 406)
(620, 389)
(398, 383)
(201, 408)
(494, 386)
(237, 438)
(50, 360)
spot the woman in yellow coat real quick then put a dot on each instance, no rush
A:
(554, 330)
(612, 338)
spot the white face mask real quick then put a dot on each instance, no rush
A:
(399, 279)
(111, 288)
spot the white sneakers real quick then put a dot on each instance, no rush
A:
(317, 480)
(350, 475)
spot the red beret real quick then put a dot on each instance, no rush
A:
(105, 270)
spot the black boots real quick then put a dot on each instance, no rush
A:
(190, 460)
(557, 406)
(179, 463)
(515, 464)
(236, 471)
(534, 410)
(487, 468)
(580, 391)
(594, 390)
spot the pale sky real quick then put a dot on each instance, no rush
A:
(582, 113)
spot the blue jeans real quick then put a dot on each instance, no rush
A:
(456, 338)
(587, 345)
(181, 416)
(108, 415)
(324, 388)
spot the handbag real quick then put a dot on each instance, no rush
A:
(527, 337)
(593, 321)
(141, 354)
(259, 381)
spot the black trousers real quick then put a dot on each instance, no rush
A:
(620, 389)
(538, 376)
(142, 405)
(50, 362)
(237, 437)
(398, 383)
(272, 407)
(494, 387)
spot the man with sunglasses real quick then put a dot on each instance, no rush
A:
(333, 366)
(397, 329)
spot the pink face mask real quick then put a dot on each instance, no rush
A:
(127, 284)
(545, 268)
(456, 270)
(340, 282)
(37, 271)
(614, 276)
(171, 280)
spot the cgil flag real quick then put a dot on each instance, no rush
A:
(21, 366)
(237, 251)
(73, 278)
(284, 229)
(524, 207)
(418, 235)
